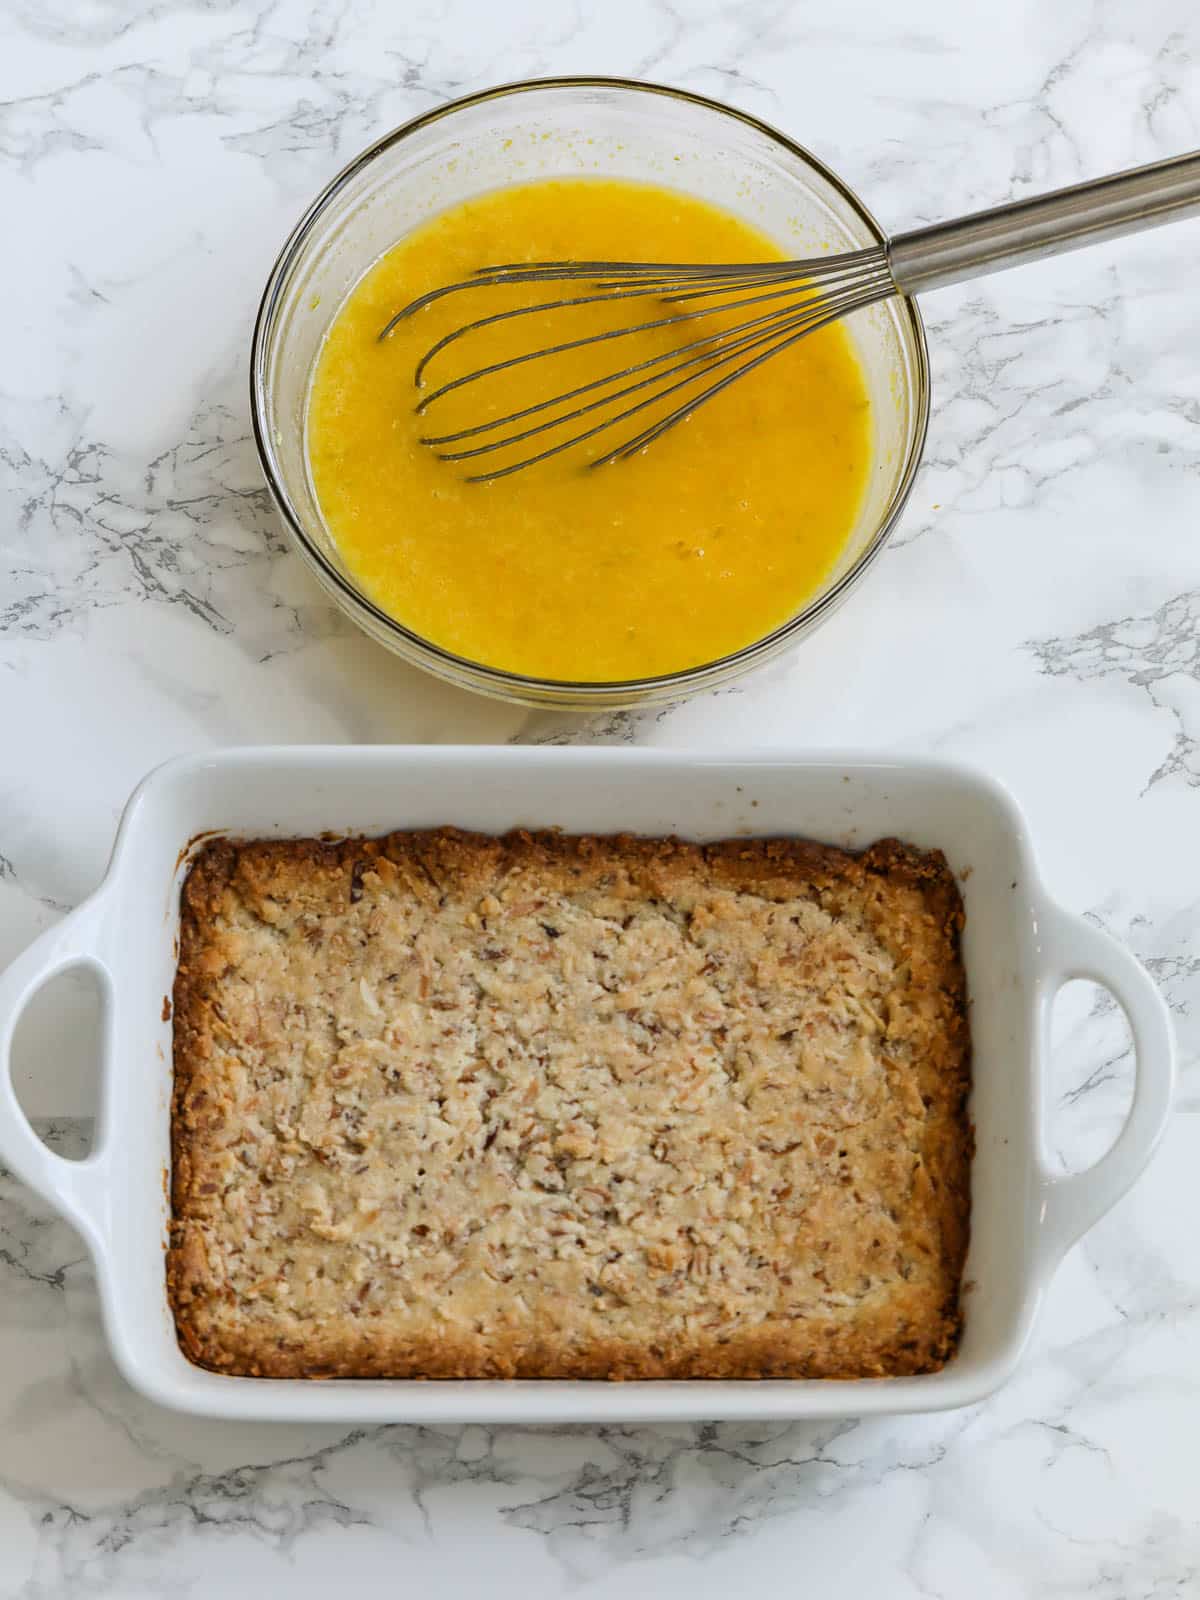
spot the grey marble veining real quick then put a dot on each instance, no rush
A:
(1037, 614)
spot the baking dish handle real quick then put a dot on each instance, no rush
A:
(77, 1190)
(1072, 948)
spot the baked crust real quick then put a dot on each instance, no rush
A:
(542, 1106)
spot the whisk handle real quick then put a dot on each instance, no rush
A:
(1006, 236)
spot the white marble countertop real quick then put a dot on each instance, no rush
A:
(1038, 614)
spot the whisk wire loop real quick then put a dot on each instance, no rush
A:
(712, 355)
(813, 294)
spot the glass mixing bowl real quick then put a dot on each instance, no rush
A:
(563, 127)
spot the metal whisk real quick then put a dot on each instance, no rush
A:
(784, 302)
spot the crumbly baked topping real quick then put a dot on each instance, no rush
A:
(452, 1105)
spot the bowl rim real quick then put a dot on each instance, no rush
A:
(499, 679)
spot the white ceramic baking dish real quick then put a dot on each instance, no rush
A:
(1019, 949)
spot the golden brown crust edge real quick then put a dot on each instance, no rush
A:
(760, 1352)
